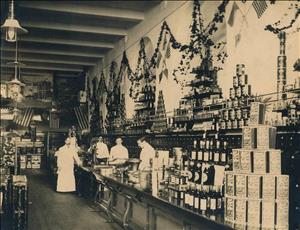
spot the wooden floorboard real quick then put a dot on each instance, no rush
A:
(49, 210)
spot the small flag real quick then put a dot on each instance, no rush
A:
(24, 120)
(259, 7)
(82, 118)
(54, 120)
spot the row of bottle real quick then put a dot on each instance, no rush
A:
(199, 198)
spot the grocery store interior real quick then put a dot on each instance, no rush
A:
(156, 115)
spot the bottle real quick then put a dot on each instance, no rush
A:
(198, 173)
(219, 199)
(223, 154)
(196, 198)
(192, 197)
(206, 151)
(191, 173)
(217, 152)
(212, 201)
(203, 200)
(186, 198)
(228, 156)
(199, 151)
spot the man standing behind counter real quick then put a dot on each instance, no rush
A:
(118, 153)
(147, 154)
(102, 153)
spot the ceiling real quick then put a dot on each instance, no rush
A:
(67, 37)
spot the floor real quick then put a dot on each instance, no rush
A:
(49, 210)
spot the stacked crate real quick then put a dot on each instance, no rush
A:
(256, 194)
(19, 205)
(236, 112)
(36, 161)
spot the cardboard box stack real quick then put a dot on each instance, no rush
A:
(256, 194)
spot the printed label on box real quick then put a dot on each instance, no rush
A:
(259, 162)
(253, 213)
(253, 186)
(275, 161)
(282, 187)
(282, 213)
(245, 161)
(229, 209)
(240, 209)
(268, 214)
(240, 186)
(236, 160)
(268, 187)
(229, 184)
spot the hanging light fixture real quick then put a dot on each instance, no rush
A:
(12, 26)
(15, 85)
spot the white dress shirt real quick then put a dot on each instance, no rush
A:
(119, 152)
(102, 150)
(147, 153)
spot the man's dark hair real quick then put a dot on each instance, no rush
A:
(141, 139)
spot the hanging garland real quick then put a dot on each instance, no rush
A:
(200, 38)
(274, 29)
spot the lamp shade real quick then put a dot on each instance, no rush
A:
(12, 28)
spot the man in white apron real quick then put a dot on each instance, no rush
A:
(147, 154)
(66, 157)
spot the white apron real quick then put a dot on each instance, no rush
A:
(65, 163)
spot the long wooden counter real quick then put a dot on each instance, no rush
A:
(136, 209)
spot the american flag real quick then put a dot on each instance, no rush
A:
(54, 120)
(260, 7)
(82, 117)
(25, 118)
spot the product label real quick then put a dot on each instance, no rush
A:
(275, 161)
(240, 215)
(196, 176)
(213, 203)
(229, 209)
(259, 162)
(268, 213)
(186, 198)
(245, 161)
(203, 204)
(282, 213)
(196, 203)
(191, 200)
(206, 156)
(253, 213)
(200, 156)
(282, 187)
(194, 155)
(240, 186)
(253, 186)
(223, 157)
(268, 187)
(236, 160)
(229, 184)
(216, 157)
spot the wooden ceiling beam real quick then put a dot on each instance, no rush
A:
(56, 52)
(46, 67)
(67, 41)
(48, 60)
(59, 26)
(86, 10)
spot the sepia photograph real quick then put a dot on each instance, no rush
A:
(150, 115)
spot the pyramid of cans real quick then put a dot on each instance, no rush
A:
(236, 112)
(256, 194)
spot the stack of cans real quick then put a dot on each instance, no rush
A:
(256, 193)
(236, 113)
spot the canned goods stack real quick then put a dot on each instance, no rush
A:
(236, 112)
(256, 193)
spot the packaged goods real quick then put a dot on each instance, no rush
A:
(266, 137)
(243, 80)
(229, 184)
(249, 140)
(246, 90)
(235, 81)
(268, 214)
(259, 162)
(229, 209)
(240, 185)
(232, 114)
(253, 213)
(282, 211)
(282, 187)
(257, 113)
(236, 164)
(234, 124)
(253, 186)
(268, 187)
(226, 114)
(238, 114)
(240, 69)
(238, 91)
(275, 161)
(231, 93)
(245, 161)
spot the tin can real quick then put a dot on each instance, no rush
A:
(253, 185)
(228, 124)
(235, 124)
(238, 114)
(246, 122)
(253, 213)
(268, 187)
(226, 114)
(235, 81)
(223, 125)
(282, 187)
(268, 214)
(236, 103)
(232, 114)
(238, 91)
(240, 123)
(245, 113)
(231, 93)
(243, 80)
(240, 69)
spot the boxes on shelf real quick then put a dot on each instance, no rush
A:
(257, 113)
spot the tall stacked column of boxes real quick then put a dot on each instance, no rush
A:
(256, 193)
